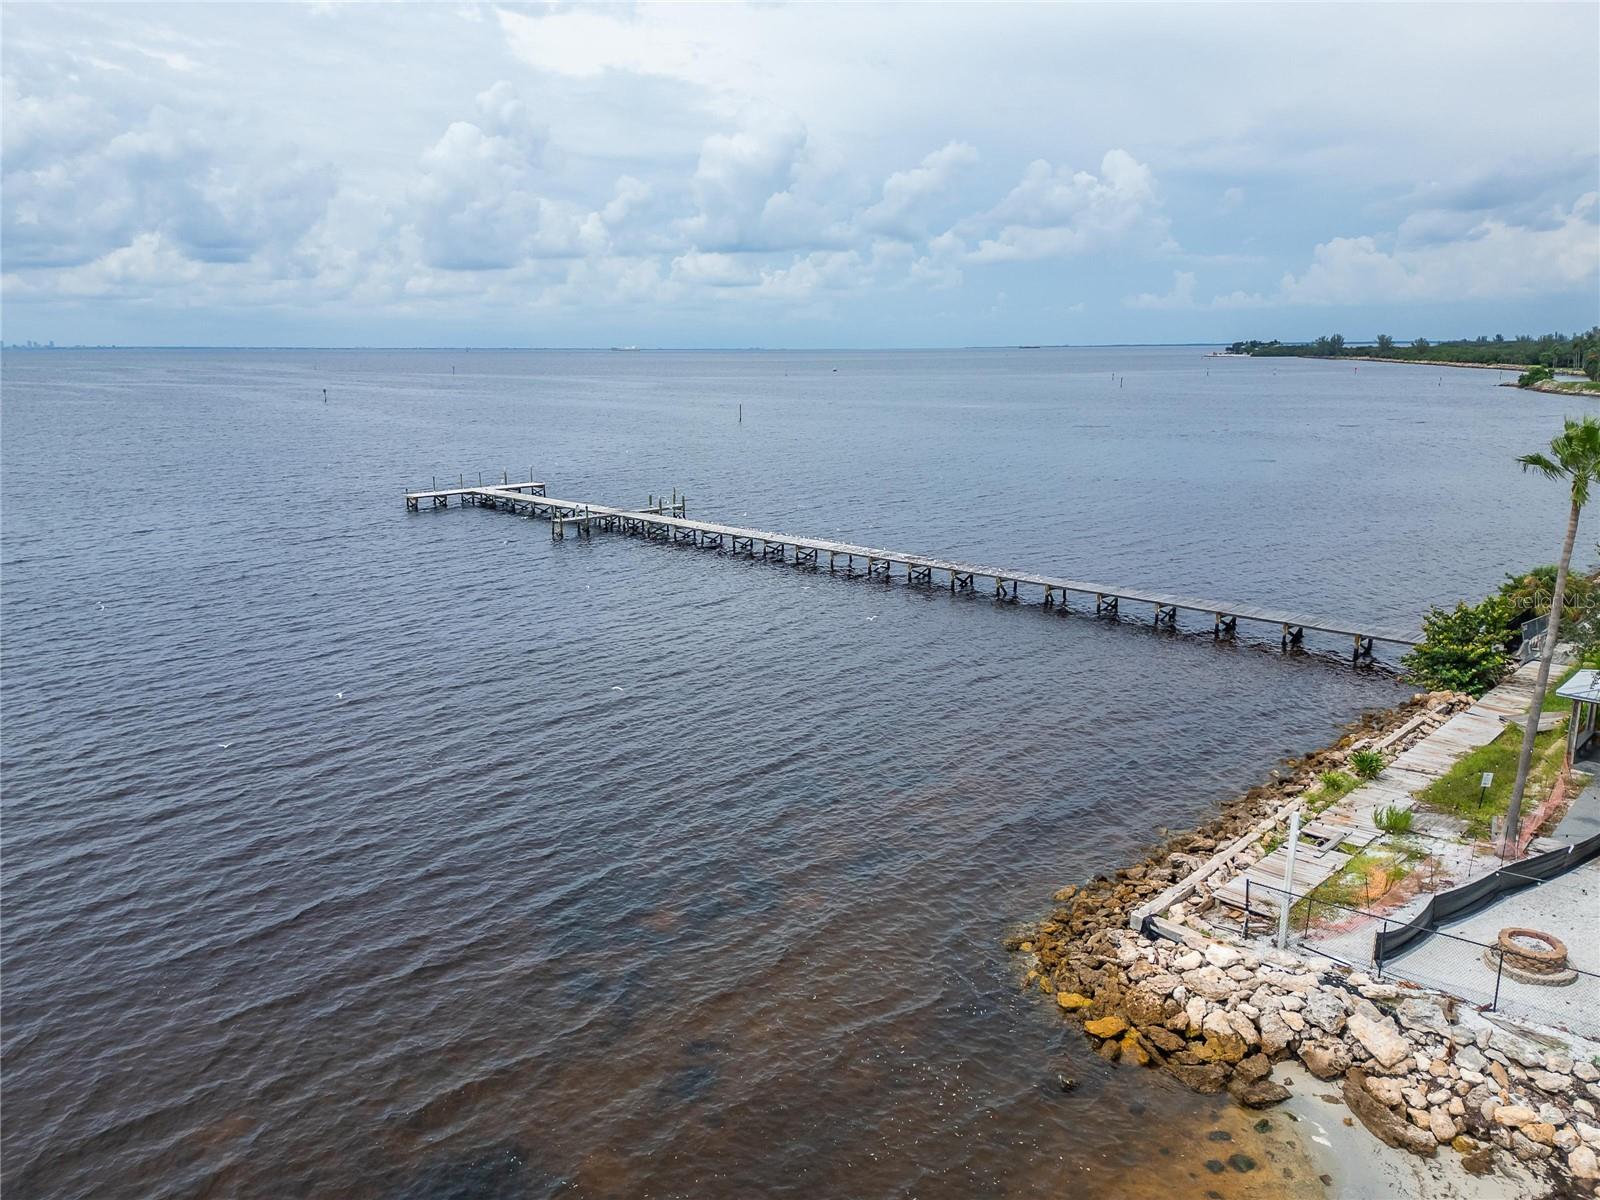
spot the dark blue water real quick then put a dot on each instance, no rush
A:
(356, 852)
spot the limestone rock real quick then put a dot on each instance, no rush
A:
(1528, 1150)
(1208, 981)
(1112, 1026)
(1582, 1164)
(1549, 1081)
(1145, 1006)
(1541, 1132)
(1523, 1051)
(1275, 1033)
(1441, 1125)
(1162, 1038)
(1222, 956)
(1388, 1092)
(1325, 1061)
(1386, 1126)
(1259, 1093)
(1325, 1010)
(1205, 1077)
(1133, 1049)
(1380, 1039)
(1188, 961)
(1469, 1058)
(1514, 1116)
(1422, 1014)
(1223, 1047)
(1072, 1001)
(1585, 1070)
(1256, 1066)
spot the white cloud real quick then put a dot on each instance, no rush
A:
(591, 160)
(1055, 211)
(907, 193)
(716, 269)
(742, 184)
(1490, 260)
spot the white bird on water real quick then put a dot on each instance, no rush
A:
(338, 695)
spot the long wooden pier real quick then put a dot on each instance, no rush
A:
(669, 522)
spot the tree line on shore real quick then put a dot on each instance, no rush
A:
(1469, 648)
(1576, 351)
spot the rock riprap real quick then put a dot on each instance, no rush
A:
(1418, 1070)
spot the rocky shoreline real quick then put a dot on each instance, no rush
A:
(1558, 387)
(1420, 1071)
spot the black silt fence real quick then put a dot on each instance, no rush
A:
(1473, 897)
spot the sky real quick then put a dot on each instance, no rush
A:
(795, 175)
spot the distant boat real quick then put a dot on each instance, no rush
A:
(1226, 354)
(622, 349)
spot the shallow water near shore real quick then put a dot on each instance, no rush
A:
(357, 852)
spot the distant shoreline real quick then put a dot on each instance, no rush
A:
(1519, 368)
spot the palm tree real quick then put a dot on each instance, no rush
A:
(1575, 457)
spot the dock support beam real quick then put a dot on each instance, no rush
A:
(1166, 614)
(1293, 635)
(1363, 648)
(1105, 604)
(1223, 625)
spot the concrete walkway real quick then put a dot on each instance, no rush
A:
(1583, 817)
(1566, 906)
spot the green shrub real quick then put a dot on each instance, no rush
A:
(1368, 764)
(1535, 375)
(1337, 783)
(1392, 819)
(1462, 649)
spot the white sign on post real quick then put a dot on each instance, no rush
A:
(1488, 778)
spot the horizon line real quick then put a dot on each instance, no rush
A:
(617, 349)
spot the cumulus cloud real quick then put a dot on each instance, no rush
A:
(1056, 211)
(689, 160)
(742, 188)
(1489, 259)
(478, 198)
(902, 210)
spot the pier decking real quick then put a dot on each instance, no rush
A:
(671, 523)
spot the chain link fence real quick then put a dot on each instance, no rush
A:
(1474, 970)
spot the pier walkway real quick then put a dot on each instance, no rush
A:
(669, 522)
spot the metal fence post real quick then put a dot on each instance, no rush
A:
(1377, 947)
(1246, 933)
(1306, 932)
(1500, 966)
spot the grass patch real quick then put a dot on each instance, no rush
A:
(1393, 819)
(1331, 786)
(1458, 792)
(1368, 764)
(1361, 882)
(1552, 702)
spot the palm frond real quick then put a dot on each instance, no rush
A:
(1543, 464)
